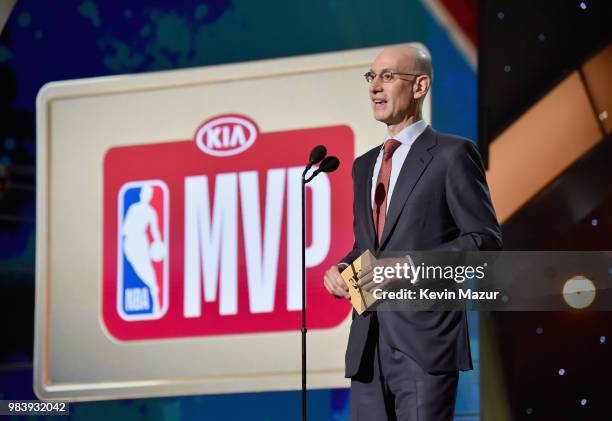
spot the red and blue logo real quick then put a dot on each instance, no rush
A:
(142, 239)
(202, 237)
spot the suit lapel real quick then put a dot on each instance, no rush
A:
(416, 161)
(366, 200)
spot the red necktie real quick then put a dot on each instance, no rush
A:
(379, 207)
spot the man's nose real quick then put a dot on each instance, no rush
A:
(375, 85)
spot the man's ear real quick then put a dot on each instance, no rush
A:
(421, 86)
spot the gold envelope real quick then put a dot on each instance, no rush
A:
(360, 299)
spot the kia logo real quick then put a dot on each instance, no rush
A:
(226, 135)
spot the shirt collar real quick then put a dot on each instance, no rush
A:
(409, 134)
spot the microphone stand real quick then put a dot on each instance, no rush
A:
(328, 164)
(304, 416)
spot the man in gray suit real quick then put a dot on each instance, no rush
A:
(419, 190)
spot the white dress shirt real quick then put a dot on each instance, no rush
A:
(406, 137)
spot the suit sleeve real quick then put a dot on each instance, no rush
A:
(469, 202)
(356, 251)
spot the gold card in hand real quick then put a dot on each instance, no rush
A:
(360, 299)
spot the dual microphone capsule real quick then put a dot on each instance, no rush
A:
(328, 164)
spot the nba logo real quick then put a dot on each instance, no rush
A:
(142, 258)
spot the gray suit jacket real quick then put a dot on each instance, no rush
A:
(440, 201)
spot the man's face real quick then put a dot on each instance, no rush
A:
(392, 102)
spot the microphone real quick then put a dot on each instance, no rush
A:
(316, 155)
(329, 164)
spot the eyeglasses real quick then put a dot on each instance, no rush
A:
(386, 76)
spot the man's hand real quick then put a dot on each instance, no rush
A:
(366, 274)
(365, 277)
(334, 283)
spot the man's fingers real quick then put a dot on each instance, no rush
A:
(365, 279)
(364, 271)
(331, 286)
(341, 288)
(334, 283)
(368, 286)
(384, 285)
(336, 290)
(338, 280)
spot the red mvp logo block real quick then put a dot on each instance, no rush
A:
(202, 237)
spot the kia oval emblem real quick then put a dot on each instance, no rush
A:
(226, 135)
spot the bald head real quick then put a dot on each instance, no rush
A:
(410, 59)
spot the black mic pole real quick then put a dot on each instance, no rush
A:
(304, 417)
(316, 155)
(328, 164)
